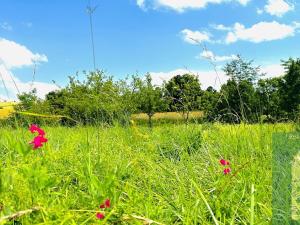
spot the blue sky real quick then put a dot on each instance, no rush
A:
(139, 36)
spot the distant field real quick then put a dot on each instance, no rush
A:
(6, 108)
(167, 116)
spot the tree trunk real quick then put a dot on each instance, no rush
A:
(150, 120)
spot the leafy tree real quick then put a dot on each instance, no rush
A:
(237, 97)
(150, 99)
(290, 90)
(236, 103)
(209, 99)
(27, 100)
(268, 98)
(97, 99)
(184, 93)
(239, 70)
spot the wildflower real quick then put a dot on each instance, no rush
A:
(224, 162)
(227, 170)
(34, 128)
(100, 216)
(106, 204)
(38, 141)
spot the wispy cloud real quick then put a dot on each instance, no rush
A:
(195, 37)
(6, 26)
(211, 56)
(220, 27)
(27, 24)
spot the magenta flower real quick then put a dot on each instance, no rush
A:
(38, 141)
(34, 128)
(100, 216)
(224, 162)
(227, 170)
(106, 204)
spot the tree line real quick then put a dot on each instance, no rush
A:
(245, 97)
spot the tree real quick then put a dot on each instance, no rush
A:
(239, 69)
(184, 93)
(237, 97)
(236, 103)
(290, 90)
(209, 99)
(150, 98)
(268, 98)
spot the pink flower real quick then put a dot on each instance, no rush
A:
(38, 141)
(224, 162)
(100, 216)
(106, 204)
(34, 128)
(227, 170)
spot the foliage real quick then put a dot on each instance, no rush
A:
(150, 98)
(240, 69)
(184, 93)
(99, 99)
(290, 91)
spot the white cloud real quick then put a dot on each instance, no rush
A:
(278, 7)
(262, 31)
(13, 85)
(14, 55)
(6, 26)
(195, 37)
(211, 56)
(206, 78)
(273, 70)
(210, 77)
(182, 5)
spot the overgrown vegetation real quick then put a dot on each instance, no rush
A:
(245, 97)
(166, 174)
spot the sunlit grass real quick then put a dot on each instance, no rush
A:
(173, 176)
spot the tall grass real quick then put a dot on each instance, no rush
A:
(168, 175)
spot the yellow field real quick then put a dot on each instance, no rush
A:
(167, 116)
(6, 108)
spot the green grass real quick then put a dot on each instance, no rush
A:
(170, 175)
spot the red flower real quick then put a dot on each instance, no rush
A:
(106, 204)
(100, 216)
(224, 162)
(227, 170)
(38, 141)
(34, 128)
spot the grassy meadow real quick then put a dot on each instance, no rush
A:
(168, 175)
